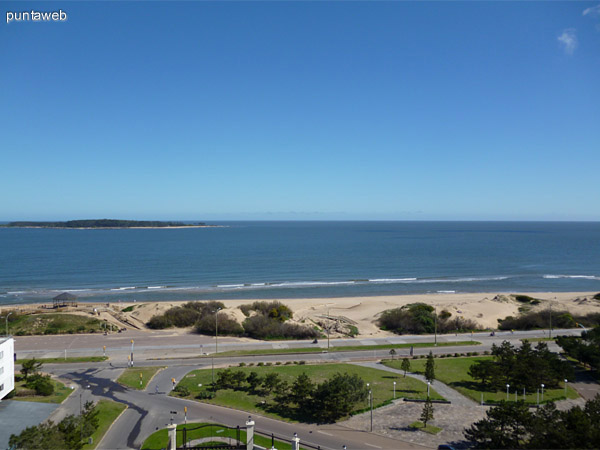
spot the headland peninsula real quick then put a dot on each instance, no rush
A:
(105, 224)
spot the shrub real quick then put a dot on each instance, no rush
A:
(205, 395)
(242, 364)
(456, 355)
(182, 391)
(302, 363)
(227, 325)
(260, 364)
(541, 319)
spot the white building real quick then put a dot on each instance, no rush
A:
(7, 365)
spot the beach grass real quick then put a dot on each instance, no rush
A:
(68, 360)
(159, 439)
(61, 392)
(138, 377)
(108, 412)
(54, 323)
(454, 373)
(381, 382)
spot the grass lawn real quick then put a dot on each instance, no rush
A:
(108, 411)
(380, 381)
(418, 425)
(159, 439)
(60, 392)
(453, 372)
(75, 359)
(25, 325)
(131, 377)
(349, 348)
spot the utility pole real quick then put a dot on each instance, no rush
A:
(435, 323)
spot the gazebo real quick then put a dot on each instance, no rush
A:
(64, 299)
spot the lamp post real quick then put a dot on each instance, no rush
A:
(566, 388)
(507, 386)
(542, 392)
(216, 345)
(371, 401)
(435, 324)
(394, 389)
(369, 384)
(428, 385)
(132, 353)
(7, 322)
(328, 329)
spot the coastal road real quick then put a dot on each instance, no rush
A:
(164, 344)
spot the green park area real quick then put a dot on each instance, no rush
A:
(222, 434)
(418, 425)
(455, 373)
(269, 389)
(108, 412)
(57, 394)
(138, 377)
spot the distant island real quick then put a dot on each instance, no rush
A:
(105, 223)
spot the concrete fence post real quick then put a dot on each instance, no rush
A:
(172, 429)
(296, 442)
(249, 434)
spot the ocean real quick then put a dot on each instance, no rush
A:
(298, 259)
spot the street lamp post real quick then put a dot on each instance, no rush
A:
(328, 329)
(428, 385)
(507, 386)
(132, 353)
(542, 392)
(394, 389)
(369, 384)
(371, 401)
(216, 344)
(566, 388)
(7, 322)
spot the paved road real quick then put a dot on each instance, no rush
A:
(167, 344)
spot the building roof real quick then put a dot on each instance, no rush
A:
(65, 296)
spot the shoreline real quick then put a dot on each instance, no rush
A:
(122, 228)
(485, 308)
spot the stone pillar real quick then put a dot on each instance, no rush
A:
(249, 434)
(172, 429)
(296, 442)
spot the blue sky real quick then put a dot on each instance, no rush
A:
(302, 110)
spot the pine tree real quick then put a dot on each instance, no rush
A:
(430, 368)
(405, 366)
(392, 352)
(427, 413)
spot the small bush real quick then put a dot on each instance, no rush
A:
(260, 364)
(456, 355)
(302, 363)
(269, 364)
(182, 391)
(242, 364)
(205, 395)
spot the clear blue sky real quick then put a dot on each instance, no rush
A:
(302, 110)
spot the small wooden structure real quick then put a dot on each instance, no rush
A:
(63, 300)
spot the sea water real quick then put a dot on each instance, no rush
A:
(298, 259)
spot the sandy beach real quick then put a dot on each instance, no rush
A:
(362, 312)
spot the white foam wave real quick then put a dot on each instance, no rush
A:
(156, 287)
(391, 280)
(446, 292)
(126, 288)
(229, 286)
(584, 277)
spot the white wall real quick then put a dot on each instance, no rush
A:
(7, 366)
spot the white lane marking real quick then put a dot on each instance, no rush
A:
(322, 432)
(371, 445)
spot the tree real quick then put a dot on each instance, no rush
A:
(505, 427)
(430, 368)
(392, 353)
(254, 380)
(405, 365)
(302, 391)
(427, 413)
(30, 367)
(271, 381)
(336, 397)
